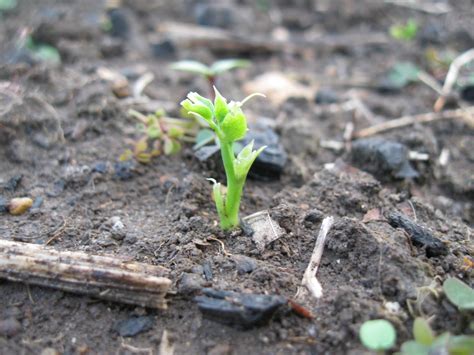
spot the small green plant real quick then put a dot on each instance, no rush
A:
(6, 5)
(230, 125)
(210, 72)
(159, 135)
(42, 52)
(459, 294)
(378, 335)
(406, 32)
(425, 342)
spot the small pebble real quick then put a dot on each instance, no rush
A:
(190, 283)
(244, 264)
(134, 325)
(20, 205)
(9, 327)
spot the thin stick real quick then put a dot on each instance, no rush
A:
(429, 8)
(309, 277)
(409, 120)
(452, 76)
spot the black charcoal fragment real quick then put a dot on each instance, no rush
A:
(420, 237)
(241, 310)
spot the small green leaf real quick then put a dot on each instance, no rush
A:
(46, 53)
(378, 334)
(460, 294)
(234, 125)
(153, 132)
(220, 106)
(461, 345)
(405, 32)
(143, 157)
(245, 159)
(8, 5)
(171, 146)
(126, 155)
(411, 347)
(192, 66)
(197, 108)
(141, 145)
(204, 137)
(422, 332)
(224, 65)
(175, 132)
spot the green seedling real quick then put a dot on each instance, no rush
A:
(6, 5)
(230, 125)
(459, 294)
(42, 52)
(406, 32)
(210, 72)
(159, 135)
(425, 342)
(378, 335)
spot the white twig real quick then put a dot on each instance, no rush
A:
(465, 113)
(166, 346)
(309, 281)
(433, 8)
(141, 83)
(452, 76)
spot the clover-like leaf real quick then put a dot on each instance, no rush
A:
(459, 293)
(378, 334)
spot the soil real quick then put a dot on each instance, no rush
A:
(70, 128)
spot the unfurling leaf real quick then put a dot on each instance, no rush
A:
(422, 332)
(234, 125)
(220, 106)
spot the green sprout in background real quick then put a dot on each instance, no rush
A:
(230, 125)
(406, 32)
(378, 335)
(159, 135)
(425, 342)
(210, 72)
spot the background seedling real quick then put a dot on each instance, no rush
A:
(378, 335)
(210, 72)
(425, 342)
(459, 294)
(160, 135)
(230, 125)
(406, 32)
(6, 5)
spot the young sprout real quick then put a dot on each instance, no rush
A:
(210, 72)
(405, 32)
(378, 335)
(425, 342)
(160, 135)
(230, 125)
